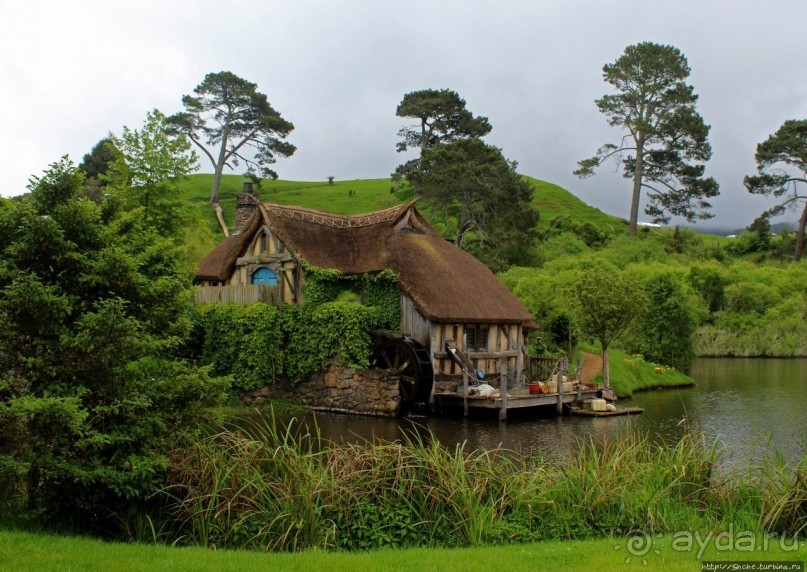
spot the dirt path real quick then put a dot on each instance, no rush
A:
(592, 366)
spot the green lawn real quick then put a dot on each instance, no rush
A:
(631, 373)
(28, 551)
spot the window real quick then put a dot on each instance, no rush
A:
(264, 276)
(476, 338)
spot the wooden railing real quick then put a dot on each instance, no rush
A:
(239, 294)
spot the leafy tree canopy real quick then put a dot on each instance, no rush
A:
(441, 118)
(152, 154)
(473, 183)
(92, 299)
(144, 173)
(607, 303)
(782, 167)
(229, 115)
(666, 143)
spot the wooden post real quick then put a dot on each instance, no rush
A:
(559, 377)
(519, 341)
(579, 371)
(503, 391)
(465, 392)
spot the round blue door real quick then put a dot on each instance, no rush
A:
(264, 276)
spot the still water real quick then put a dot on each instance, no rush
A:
(751, 406)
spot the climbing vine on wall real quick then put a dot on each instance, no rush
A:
(378, 291)
(315, 334)
(243, 341)
(259, 343)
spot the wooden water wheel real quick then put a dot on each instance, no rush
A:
(410, 361)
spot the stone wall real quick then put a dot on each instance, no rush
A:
(341, 389)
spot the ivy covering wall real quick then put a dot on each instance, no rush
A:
(260, 343)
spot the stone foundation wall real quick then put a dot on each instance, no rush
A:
(342, 389)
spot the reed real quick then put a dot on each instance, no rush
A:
(278, 486)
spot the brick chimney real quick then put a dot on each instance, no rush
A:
(246, 203)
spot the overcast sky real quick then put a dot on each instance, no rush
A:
(70, 72)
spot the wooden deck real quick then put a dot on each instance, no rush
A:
(519, 398)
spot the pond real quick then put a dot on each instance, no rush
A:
(750, 405)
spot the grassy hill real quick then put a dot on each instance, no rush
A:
(361, 196)
(552, 201)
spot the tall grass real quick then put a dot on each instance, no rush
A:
(279, 487)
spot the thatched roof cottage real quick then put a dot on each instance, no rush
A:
(447, 295)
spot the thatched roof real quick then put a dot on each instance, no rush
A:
(445, 282)
(220, 263)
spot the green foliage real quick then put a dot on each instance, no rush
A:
(151, 155)
(562, 330)
(751, 297)
(710, 284)
(667, 140)
(95, 165)
(587, 231)
(379, 291)
(92, 300)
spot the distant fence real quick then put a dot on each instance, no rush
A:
(239, 294)
(541, 368)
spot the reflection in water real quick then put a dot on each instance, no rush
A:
(750, 405)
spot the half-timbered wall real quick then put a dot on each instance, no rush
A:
(485, 345)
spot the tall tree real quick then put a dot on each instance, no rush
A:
(441, 118)
(666, 140)
(476, 185)
(782, 166)
(607, 304)
(231, 116)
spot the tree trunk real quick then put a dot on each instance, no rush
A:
(606, 374)
(638, 171)
(214, 192)
(800, 235)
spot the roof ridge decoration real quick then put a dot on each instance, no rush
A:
(313, 216)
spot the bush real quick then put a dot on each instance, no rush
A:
(92, 301)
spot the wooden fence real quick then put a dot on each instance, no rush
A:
(239, 294)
